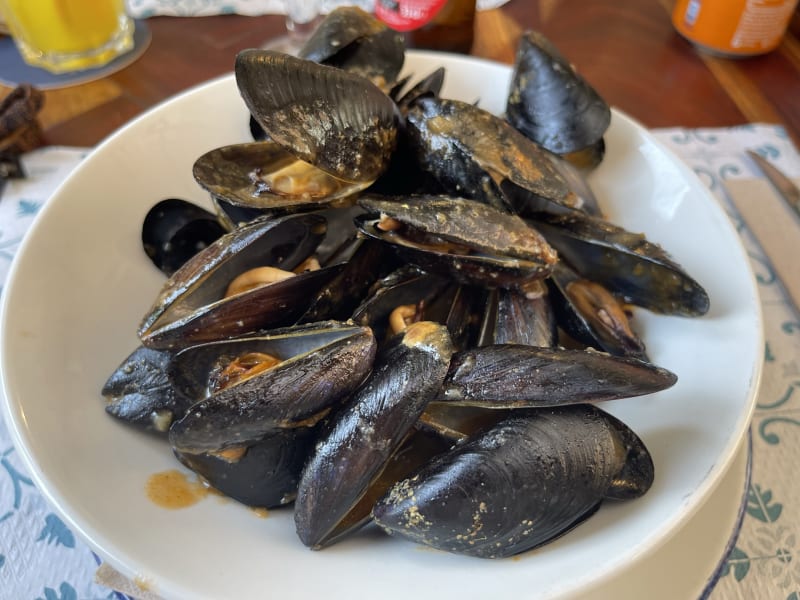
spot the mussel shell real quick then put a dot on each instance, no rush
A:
(342, 294)
(174, 230)
(630, 266)
(503, 251)
(514, 318)
(352, 39)
(430, 85)
(550, 102)
(191, 308)
(235, 174)
(516, 376)
(139, 392)
(365, 434)
(322, 363)
(267, 473)
(591, 315)
(475, 154)
(337, 121)
(518, 485)
(406, 285)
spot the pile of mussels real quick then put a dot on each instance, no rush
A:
(404, 308)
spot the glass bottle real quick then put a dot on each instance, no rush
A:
(446, 25)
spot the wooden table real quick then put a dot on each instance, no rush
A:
(627, 49)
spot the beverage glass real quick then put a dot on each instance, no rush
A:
(302, 17)
(68, 35)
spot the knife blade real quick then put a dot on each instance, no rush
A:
(783, 185)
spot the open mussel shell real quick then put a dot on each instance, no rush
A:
(464, 240)
(268, 179)
(519, 484)
(338, 299)
(320, 364)
(139, 392)
(591, 315)
(519, 376)
(263, 474)
(550, 102)
(192, 307)
(364, 435)
(352, 39)
(337, 121)
(406, 286)
(630, 266)
(475, 154)
(430, 85)
(174, 230)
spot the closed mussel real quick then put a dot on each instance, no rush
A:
(518, 484)
(464, 240)
(475, 154)
(199, 303)
(553, 105)
(139, 392)
(354, 40)
(516, 376)
(363, 436)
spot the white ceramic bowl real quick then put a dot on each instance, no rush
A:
(81, 283)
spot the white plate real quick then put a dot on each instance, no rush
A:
(81, 283)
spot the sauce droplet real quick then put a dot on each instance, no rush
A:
(173, 489)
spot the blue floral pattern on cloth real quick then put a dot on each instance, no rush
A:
(42, 559)
(765, 560)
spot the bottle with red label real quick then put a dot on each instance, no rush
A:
(446, 25)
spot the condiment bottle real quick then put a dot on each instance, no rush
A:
(446, 25)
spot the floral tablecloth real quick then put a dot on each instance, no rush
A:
(41, 559)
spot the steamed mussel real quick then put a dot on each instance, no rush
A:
(420, 377)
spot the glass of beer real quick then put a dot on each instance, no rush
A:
(68, 35)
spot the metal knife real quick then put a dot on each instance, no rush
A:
(785, 187)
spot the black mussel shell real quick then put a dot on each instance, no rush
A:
(174, 230)
(262, 474)
(518, 376)
(475, 154)
(467, 241)
(233, 215)
(430, 85)
(322, 363)
(519, 484)
(340, 297)
(550, 102)
(354, 40)
(590, 314)
(191, 307)
(267, 179)
(139, 392)
(366, 433)
(511, 317)
(337, 121)
(402, 287)
(630, 266)
(456, 423)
